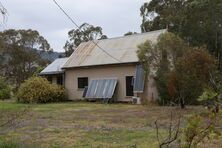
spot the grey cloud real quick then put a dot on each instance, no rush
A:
(116, 17)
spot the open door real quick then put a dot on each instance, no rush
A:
(129, 86)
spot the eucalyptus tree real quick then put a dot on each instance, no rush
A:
(20, 56)
(84, 33)
(198, 22)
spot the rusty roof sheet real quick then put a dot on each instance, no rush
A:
(55, 67)
(122, 48)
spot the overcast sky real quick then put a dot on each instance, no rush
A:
(116, 17)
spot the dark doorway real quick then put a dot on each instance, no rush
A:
(129, 86)
(60, 80)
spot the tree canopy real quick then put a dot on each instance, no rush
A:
(181, 72)
(30, 39)
(197, 21)
(191, 75)
(19, 56)
(130, 33)
(84, 33)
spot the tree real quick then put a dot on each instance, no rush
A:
(196, 21)
(20, 57)
(130, 33)
(161, 14)
(3, 12)
(172, 47)
(190, 76)
(181, 71)
(5, 90)
(203, 26)
(160, 59)
(29, 39)
(147, 56)
(212, 95)
(84, 33)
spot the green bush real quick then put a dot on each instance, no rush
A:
(5, 90)
(39, 90)
(161, 81)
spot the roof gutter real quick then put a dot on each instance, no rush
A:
(102, 65)
(51, 73)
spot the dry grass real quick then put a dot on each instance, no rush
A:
(89, 124)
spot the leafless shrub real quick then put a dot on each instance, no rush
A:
(12, 118)
(198, 128)
(173, 133)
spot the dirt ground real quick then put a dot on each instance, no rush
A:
(81, 124)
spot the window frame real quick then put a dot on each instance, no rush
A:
(82, 82)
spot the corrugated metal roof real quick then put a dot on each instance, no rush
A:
(55, 67)
(101, 88)
(139, 79)
(122, 48)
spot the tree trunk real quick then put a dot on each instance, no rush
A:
(182, 103)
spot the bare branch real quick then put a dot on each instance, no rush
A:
(173, 133)
(157, 132)
(14, 117)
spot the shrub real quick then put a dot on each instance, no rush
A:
(39, 90)
(5, 90)
(190, 76)
(161, 81)
(200, 128)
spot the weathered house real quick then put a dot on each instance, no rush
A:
(54, 72)
(106, 77)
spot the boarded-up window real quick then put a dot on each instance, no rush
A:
(82, 82)
(129, 86)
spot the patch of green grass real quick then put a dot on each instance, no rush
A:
(12, 105)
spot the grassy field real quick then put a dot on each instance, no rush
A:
(80, 124)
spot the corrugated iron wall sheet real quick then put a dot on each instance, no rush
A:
(139, 79)
(101, 88)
